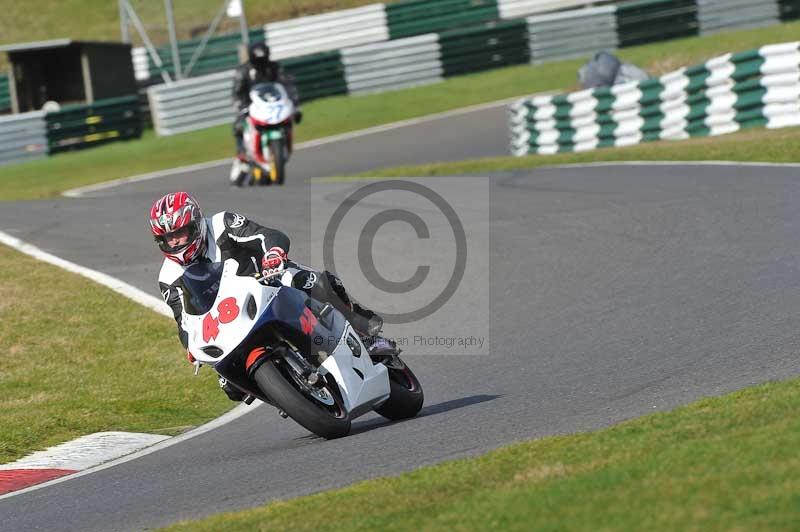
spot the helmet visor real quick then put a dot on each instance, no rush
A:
(179, 239)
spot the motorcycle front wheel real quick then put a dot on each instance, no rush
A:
(277, 164)
(318, 409)
(406, 397)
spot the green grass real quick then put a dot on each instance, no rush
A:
(78, 358)
(727, 463)
(48, 177)
(34, 20)
(760, 145)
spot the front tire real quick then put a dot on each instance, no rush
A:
(406, 397)
(328, 421)
(277, 165)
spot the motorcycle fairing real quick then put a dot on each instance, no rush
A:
(284, 314)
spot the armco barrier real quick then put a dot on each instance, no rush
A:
(22, 137)
(717, 15)
(575, 33)
(393, 65)
(755, 88)
(645, 21)
(483, 48)
(83, 126)
(329, 31)
(415, 17)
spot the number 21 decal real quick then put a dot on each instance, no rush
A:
(228, 310)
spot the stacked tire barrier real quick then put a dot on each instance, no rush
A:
(22, 137)
(717, 15)
(416, 17)
(645, 21)
(519, 8)
(483, 48)
(337, 30)
(569, 34)
(84, 126)
(37, 134)
(191, 104)
(5, 96)
(329, 31)
(428, 58)
(734, 91)
(393, 65)
(789, 9)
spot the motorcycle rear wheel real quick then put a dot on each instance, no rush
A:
(406, 397)
(285, 390)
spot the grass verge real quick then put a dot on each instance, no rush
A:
(48, 177)
(98, 20)
(755, 145)
(727, 463)
(78, 358)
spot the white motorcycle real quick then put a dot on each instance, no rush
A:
(277, 344)
(268, 131)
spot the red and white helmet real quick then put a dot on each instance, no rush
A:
(178, 227)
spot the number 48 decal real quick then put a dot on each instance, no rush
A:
(228, 310)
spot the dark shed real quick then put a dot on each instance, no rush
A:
(68, 72)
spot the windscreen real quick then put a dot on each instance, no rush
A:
(200, 287)
(267, 91)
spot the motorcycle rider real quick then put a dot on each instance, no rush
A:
(185, 237)
(259, 68)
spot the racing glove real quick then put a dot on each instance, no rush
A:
(273, 263)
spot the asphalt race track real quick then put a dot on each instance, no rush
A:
(615, 291)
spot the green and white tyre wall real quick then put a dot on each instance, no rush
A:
(727, 93)
(329, 31)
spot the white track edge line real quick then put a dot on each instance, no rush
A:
(669, 163)
(131, 292)
(80, 191)
(138, 296)
(224, 419)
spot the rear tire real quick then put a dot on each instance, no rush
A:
(328, 422)
(406, 397)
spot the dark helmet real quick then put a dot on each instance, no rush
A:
(258, 55)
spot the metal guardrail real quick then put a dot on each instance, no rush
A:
(393, 65)
(22, 137)
(718, 15)
(573, 33)
(329, 31)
